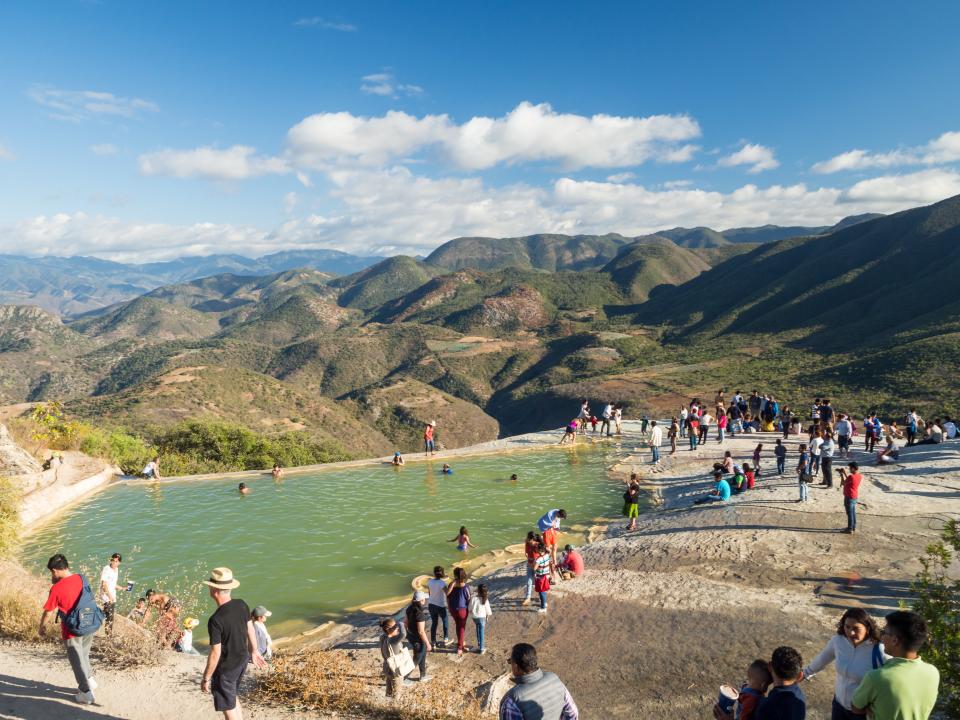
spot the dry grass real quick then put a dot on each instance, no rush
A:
(328, 681)
(21, 603)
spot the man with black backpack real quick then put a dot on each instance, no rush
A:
(80, 618)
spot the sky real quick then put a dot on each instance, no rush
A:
(139, 131)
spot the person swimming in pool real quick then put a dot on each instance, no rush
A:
(446, 469)
(243, 489)
(462, 540)
(277, 471)
(398, 459)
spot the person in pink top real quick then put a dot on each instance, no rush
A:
(721, 424)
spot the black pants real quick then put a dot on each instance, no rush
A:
(839, 712)
(826, 467)
(605, 426)
(420, 657)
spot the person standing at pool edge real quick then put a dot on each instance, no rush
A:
(233, 643)
(428, 437)
(109, 577)
(437, 588)
(656, 438)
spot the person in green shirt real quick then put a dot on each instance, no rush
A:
(905, 687)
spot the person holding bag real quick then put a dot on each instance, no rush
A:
(397, 660)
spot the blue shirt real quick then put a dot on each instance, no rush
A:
(723, 488)
(783, 703)
(549, 520)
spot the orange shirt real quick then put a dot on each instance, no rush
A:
(428, 433)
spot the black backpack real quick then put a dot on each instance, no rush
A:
(85, 618)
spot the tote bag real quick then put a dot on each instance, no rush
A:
(400, 663)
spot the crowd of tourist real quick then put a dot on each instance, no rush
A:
(879, 671)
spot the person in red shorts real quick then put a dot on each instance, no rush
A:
(64, 595)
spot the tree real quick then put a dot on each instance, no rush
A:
(52, 426)
(938, 601)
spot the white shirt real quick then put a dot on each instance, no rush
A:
(608, 411)
(706, 419)
(150, 468)
(186, 641)
(826, 448)
(815, 445)
(683, 414)
(110, 577)
(950, 429)
(438, 591)
(852, 663)
(843, 427)
(480, 609)
(656, 436)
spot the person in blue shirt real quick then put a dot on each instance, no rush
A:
(785, 701)
(551, 519)
(721, 490)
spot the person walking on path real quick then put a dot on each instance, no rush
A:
(536, 695)
(233, 644)
(803, 472)
(684, 415)
(416, 619)
(428, 446)
(437, 587)
(850, 483)
(827, 448)
(458, 601)
(672, 434)
(480, 610)
(855, 649)
(391, 645)
(780, 453)
(656, 439)
(69, 591)
(607, 417)
(109, 577)
(905, 687)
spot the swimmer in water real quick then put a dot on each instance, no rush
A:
(277, 472)
(398, 459)
(462, 540)
(446, 469)
(243, 489)
(513, 478)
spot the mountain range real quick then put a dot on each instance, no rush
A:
(492, 336)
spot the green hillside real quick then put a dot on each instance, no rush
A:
(641, 267)
(382, 282)
(540, 252)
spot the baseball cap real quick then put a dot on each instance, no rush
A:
(261, 611)
(420, 595)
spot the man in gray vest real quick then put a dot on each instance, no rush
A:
(537, 695)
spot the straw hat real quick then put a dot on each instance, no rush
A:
(221, 578)
(190, 623)
(433, 423)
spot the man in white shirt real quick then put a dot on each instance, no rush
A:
(706, 420)
(656, 438)
(844, 429)
(607, 416)
(815, 452)
(108, 588)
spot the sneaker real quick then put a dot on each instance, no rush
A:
(526, 601)
(542, 610)
(84, 698)
(483, 651)
(426, 678)
(92, 684)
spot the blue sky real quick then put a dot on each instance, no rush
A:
(136, 131)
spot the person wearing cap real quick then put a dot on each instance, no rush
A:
(571, 564)
(416, 620)
(398, 459)
(185, 641)
(264, 641)
(233, 643)
(428, 437)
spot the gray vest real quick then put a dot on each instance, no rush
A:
(539, 695)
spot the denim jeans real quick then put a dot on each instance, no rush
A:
(481, 624)
(420, 656)
(839, 712)
(803, 490)
(720, 432)
(780, 463)
(693, 440)
(656, 454)
(543, 599)
(814, 464)
(850, 506)
(436, 611)
(428, 445)
(529, 581)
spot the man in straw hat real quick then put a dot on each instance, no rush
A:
(232, 644)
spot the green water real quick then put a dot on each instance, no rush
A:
(313, 545)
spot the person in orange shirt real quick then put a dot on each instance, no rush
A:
(428, 448)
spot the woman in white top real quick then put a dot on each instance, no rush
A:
(856, 650)
(480, 611)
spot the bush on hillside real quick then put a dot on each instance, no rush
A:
(201, 446)
(129, 452)
(938, 601)
(9, 515)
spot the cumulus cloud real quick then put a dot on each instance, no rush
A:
(758, 157)
(939, 151)
(621, 177)
(528, 133)
(104, 149)
(235, 163)
(80, 105)
(322, 24)
(385, 84)
(387, 211)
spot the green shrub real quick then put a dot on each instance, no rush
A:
(938, 601)
(127, 451)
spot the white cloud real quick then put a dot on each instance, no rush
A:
(235, 163)
(79, 105)
(385, 84)
(939, 151)
(758, 157)
(290, 201)
(621, 177)
(392, 210)
(104, 149)
(6, 154)
(528, 133)
(319, 22)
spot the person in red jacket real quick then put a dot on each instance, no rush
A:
(850, 482)
(66, 590)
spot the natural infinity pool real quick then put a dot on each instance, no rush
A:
(313, 545)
